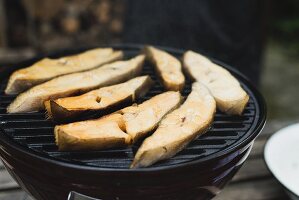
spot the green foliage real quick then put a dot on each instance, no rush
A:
(284, 24)
(288, 26)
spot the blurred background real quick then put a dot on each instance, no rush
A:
(258, 37)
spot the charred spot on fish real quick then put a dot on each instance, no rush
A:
(121, 112)
(183, 119)
(98, 99)
(165, 149)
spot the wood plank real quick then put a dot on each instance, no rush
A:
(274, 125)
(258, 147)
(251, 170)
(14, 56)
(13, 195)
(6, 181)
(27, 197)
(268, 189)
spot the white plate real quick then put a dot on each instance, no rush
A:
(282, 158)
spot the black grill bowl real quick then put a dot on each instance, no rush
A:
(198, 172)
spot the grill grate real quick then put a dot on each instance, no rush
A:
(33, 132)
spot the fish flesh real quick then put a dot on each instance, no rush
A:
(47, 68)
(106, 132)
(100, 100)
(77, 83)
(168, 68)
(121, 128)
(178, 128)
(226, 89)
(141, 119)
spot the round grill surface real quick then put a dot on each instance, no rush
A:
(33, 133)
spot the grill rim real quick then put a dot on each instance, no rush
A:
(255, 130)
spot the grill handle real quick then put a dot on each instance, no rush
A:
(77, 196)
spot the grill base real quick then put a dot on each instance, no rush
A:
(45, 182)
